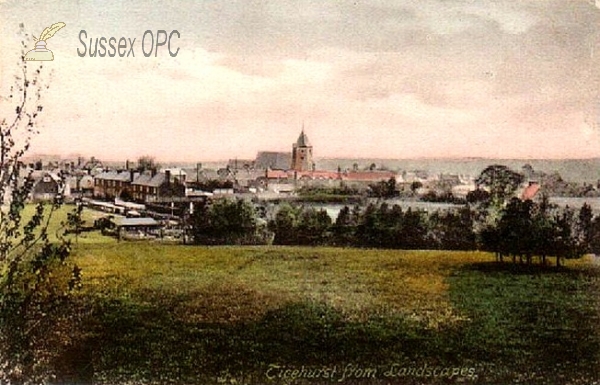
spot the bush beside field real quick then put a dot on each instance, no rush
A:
(182, 314)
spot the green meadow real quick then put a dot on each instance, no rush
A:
(186, 314)
(152, 313)
(57, 223)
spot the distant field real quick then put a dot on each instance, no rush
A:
(58, 219)
(185, 314)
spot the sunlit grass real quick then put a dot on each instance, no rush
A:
(210, 309)
(58, 219)
(351, 281)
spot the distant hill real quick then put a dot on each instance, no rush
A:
(572, 170)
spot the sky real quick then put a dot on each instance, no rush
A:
(366, 79)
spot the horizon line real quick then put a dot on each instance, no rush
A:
(441, 158)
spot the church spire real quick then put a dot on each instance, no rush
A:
(302, 139)
(302, 153)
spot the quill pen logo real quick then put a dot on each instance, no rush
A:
(40, 52)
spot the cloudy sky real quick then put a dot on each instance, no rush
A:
(386, 79)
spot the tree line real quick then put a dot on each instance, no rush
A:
(494, 220)
(524, 229)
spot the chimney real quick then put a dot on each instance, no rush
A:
(168, 176)
(127, 164)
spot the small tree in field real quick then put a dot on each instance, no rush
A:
(34, 278)
(74, 222)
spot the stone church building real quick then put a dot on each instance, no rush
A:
(302, 156)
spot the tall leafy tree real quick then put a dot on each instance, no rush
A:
(285, 225)
(226, 221)
(35, 279)
(584, 228)
(314, 226)
(391, 187)
(367, 231)
(595, 236)
(501, 183)
(544, 228)
(453, 229)
(344, 227)
(564, 244)
(516, 229)
(414, 230)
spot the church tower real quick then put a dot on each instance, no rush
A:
(302, 154)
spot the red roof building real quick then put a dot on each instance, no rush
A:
(367, 176)
(530, 191)
(278, 174)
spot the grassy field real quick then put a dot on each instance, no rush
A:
(279, 315)
(57, 223)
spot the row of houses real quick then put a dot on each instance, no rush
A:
(140, 186)
(152, 185)
(108, 185)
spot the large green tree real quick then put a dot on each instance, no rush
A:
(294, 225)
(285, 225)
(500, 181)
(314, 227)
(226, 221)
